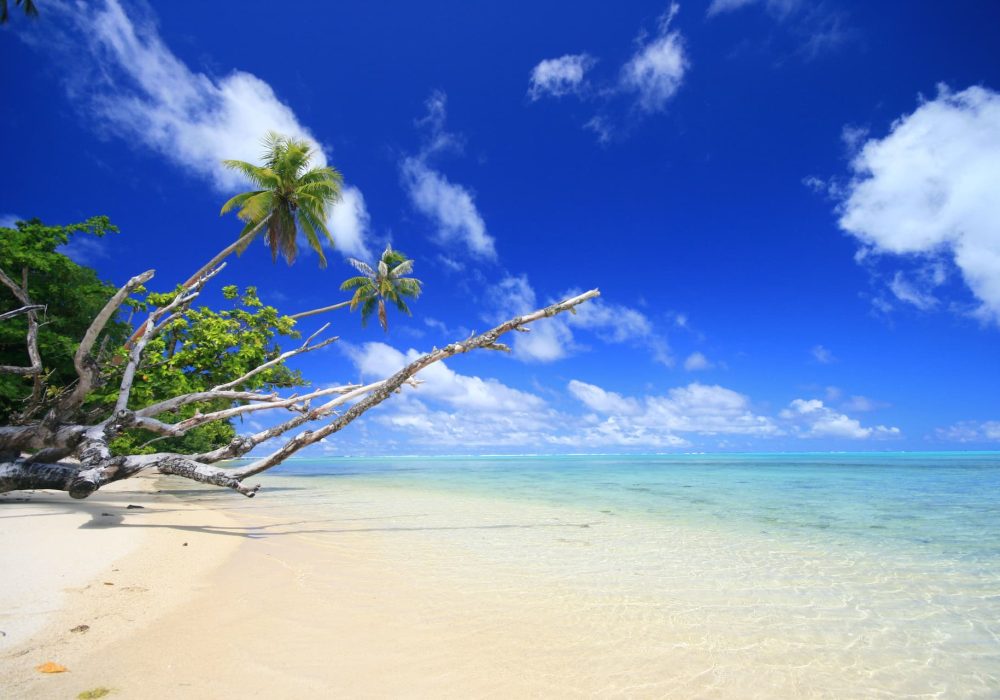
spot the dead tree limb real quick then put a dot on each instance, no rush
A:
(30, 454)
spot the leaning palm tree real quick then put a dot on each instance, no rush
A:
(290, 197)
(385, 282)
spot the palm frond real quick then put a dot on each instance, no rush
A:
(403, 268)
(307, 223)
(362, 267)
(353, 283)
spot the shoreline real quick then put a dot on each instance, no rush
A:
(380, 587)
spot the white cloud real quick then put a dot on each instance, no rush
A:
(450, 206)
(696, 361)
(819, 420)
(905, 290)
(8, 220)
(597, 399)
(657, 68)
(554, 338)
(556, 77)
(929, 189)
(350, 223)
(971, 431)
(456, 410)
(696, 408)
(138, 89)
(822, 355)
(441, 383)
(779, 7)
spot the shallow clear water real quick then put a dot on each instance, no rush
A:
(843, 575)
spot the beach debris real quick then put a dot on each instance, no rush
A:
(80, 628)
(94, 693)
(184, 545)
(130, 506)
(51, 667)
(108, 583)
(106, 515)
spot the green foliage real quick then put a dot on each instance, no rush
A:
(73, 295)
(201, 350)
(290, 196)
(197, 351)
(386, 282)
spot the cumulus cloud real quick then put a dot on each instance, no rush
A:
(441, 382)
(350, 223)
(657, 68)
(134, 86)
(928, 190)
(451, 409)
(658, 420)
(554, 338)
(597, 399)
(971, 431)
(555, 77)
(450, 206)
(818, 420)
(696, 361)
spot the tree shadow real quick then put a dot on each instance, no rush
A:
(281, 528)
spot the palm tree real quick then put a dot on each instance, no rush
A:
(29, 9)
(290, 197)
(386, 282)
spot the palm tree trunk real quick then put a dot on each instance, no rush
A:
(219, 257)
(323, 310)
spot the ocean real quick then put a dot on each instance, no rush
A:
(716, 575)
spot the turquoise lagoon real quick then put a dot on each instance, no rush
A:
(715, 575)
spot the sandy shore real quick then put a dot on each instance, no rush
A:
(256, 600)
(100, 564)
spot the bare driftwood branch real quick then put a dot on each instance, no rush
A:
(86, 368)
(35, 368)
(305, 347)
(30, 454)
(22, 310)
(152, 326)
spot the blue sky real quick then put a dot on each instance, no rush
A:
(790, 207)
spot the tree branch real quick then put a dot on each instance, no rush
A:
(305, 347)
(394, 382)
(86, 369)
(22, 310)
(35, 368)
(150, 329)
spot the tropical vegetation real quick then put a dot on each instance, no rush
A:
(290, 196)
